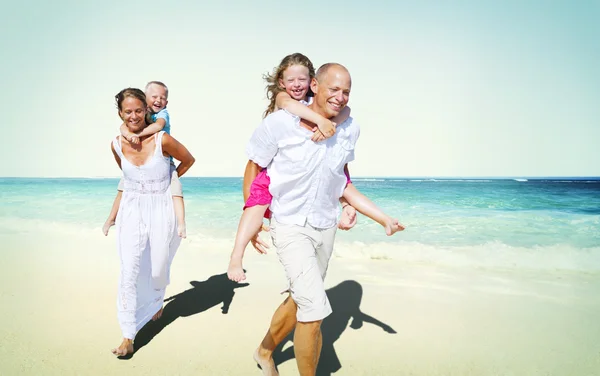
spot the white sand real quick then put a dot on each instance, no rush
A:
(59, 315)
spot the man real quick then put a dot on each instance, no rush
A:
(307, 181)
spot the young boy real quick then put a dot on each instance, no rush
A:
(157, 95)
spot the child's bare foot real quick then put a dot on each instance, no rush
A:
(125, 348)
(181, 231)
(107, 226)
(235, 272)
(392, 226)
(267, 365)
(157, 315)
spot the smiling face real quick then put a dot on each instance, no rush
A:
(332, 90)
(156, 97)
(133, 113)
(295, 80)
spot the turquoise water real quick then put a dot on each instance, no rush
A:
(480, 217)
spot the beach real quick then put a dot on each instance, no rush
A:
(410, 313)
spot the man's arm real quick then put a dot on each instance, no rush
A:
(252, 170)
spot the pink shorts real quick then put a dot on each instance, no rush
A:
(259, 191)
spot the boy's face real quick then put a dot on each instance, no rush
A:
(156, 98)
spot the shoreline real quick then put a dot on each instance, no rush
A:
(61, 315)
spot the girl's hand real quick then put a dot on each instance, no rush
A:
(326, 130)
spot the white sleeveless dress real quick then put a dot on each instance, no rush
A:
(146, 238)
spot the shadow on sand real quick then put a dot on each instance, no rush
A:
(345, 300)
(201, 297)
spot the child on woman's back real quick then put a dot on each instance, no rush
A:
(157, 95)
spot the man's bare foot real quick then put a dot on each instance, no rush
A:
(392, 226)
(181, 231)
(125, 348)
(107, 226)
(235, 271)
(157, 315)
(267, 365)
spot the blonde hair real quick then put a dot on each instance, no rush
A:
(273, 88)
(159, 84)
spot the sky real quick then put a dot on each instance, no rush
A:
(440, 88)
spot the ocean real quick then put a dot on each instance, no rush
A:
(541, 223)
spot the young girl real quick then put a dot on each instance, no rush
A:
(288, 88)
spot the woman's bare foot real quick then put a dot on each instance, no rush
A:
(235, 271)
(107, 226)
(267, 365)
(125, 348)
(181, 231)
(392, 226)
(157, 315)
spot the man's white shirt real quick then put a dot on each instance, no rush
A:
(307, 177)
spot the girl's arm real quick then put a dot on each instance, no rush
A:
(326, 126)
(176, 150)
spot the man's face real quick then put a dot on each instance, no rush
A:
(332, 92)
(295, 80)
(133, 113)
(156, 98)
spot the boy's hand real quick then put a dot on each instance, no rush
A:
(134, 139)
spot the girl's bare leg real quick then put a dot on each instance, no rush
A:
(250, 225)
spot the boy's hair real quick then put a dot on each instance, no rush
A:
(272, 79)
(159, 84)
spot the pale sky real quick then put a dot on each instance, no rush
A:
(440, 88)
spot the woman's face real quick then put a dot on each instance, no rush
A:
(133, 113)
(296, 80)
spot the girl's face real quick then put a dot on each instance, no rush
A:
(295, 80)
(133, 113)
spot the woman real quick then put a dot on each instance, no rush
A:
(145, 226)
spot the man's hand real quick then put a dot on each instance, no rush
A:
(259, 245)
(348, 218)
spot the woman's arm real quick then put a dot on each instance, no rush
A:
(176, 150)
(117, 158)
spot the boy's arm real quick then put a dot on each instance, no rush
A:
(153, 128)
(131, 137)
(326, 126)
(176, 150)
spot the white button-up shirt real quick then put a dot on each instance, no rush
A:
(307, 178)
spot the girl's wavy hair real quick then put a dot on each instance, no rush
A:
(272, 79)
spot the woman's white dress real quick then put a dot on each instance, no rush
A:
(146, 238)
